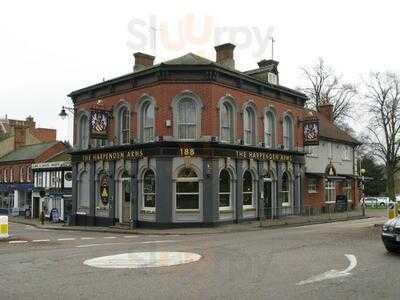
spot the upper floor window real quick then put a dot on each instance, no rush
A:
(346, 152)
(123, 126)
(147, 126)
(84, 131)
(5, 175)
(187, 119)
(12, 175)
(22, 174)
(269, 130)
(288, 132)
(226, 121)
(249, 125)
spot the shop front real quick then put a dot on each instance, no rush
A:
(168, 184)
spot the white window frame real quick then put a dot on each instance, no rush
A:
(312, 185)
(145, 125)
(288, 132)
(249, 126)
(252, 192)
(229, 207)
(269, 133)
(330, 187)
(11, 175)
(187, 179)
(186, 124)
(230, 120)
(124, 125)
(288, 192)
(148, 208)
(83, 131)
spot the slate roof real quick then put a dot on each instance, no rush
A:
(28, 152)
(190, 59)
(330, 131)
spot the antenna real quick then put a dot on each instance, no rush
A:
(272, 46)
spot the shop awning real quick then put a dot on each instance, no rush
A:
(10, 187)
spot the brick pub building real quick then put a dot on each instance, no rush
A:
(188, 142)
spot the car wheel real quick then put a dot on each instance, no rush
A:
(390, 248)
(382, 204)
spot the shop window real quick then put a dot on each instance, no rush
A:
(123, 125)
(147, 125)
(285, 190)
(83, 189)
(84, 131)
(330, 193)
(269, 130)
(226, 119)
(312, 185)
(187, 190)
(347, 190)
(149, 190)
(248, 192)
(187, 119)
(224, 189)
(249, 125)
(288, 132)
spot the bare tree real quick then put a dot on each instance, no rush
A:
(324, 86)
(383, 92)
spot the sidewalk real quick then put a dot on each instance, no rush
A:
(228, 228)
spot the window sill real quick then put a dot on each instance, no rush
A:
(148, 211)
(312, 192)
(188, 211)
(225, 210)
(330, 202)
(249, 208)
(285, 204)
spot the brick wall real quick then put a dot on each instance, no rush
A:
(314, 199)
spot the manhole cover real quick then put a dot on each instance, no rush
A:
(142, 260)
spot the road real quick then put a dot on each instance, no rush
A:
(268, 264)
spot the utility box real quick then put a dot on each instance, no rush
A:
(3, 227)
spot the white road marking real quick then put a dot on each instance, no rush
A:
(17, 242)
(333, 273)
(66, 239)
(38, 241)
(110, 237)
(87, 238)
(142, 260)
(130, 236)
(123, 243)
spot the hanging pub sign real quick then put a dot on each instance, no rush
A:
(104, 190)
(99, 120)
(311, 132)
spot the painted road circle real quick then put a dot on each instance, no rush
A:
(136, 260)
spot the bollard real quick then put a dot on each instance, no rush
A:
(3, 227)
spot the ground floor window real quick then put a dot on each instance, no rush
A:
(224, 189)
(285, 190)
(347, 190)
(312, 185)
(330, 192)
(248, 189)
(187, 190)
(83, 189)
(149, 190)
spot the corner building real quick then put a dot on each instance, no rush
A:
(188, 142)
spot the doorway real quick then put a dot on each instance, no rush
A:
(268, 198)
(125, 198)
(35, 207)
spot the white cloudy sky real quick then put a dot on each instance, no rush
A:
(49, 48)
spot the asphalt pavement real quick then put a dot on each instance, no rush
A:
(344, 260)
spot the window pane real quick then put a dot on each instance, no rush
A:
(247, 182)
(149, 183)
(224, 182)
(187, 173)
(247, 199)
(149, 200)
(187, 201)
(224, 200)
(187, 187)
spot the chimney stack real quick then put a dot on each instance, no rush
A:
(142, 61)
(326, 109)
(225, 55)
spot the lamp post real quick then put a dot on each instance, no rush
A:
(63, 113)
(362, 172)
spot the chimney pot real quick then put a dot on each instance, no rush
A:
(224, 54)
(142, 61)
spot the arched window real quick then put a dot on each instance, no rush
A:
(84, 131)
(288, 132)
(83, 190)
(285, 190)
(28, 174)
(225, 189)
(226, 121)
(147, 125)
(187, 190)
(187, 119)
(249, 125)
(5, 175)
(11, 175)
(248, 199)
(149, 190)
(269, 130)
(123, 125)
(22, 174)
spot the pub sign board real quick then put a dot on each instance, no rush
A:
(99, 122)
(311, 132)
(104, 190)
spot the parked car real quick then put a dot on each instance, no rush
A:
(383, 201)
(369, 201)
(391, 235)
